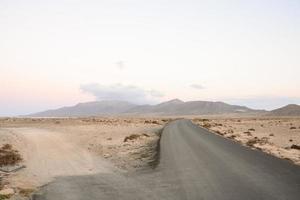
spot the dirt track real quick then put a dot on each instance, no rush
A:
(49, 154)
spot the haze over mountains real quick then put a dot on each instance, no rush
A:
(172, 107)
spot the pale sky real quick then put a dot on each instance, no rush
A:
(61, 52)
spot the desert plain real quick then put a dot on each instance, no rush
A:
(53, 147)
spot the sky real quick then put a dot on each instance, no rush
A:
(61, 52)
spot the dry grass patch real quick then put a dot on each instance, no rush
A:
(9, 156)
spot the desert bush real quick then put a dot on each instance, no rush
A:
(9, 156)
(26, 192)
(206, 125)
(4, 197)
(219, 132)
(230, 131)
(131, 137)
(271, 134)
(251, 129)
(293, 127)
(165, 120)
(251, 142)
(155, 122)
(232, 136)
(294, 146)
(248, 133)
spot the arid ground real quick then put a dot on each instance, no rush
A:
(78, 146)
(52, 147)
(279, 136)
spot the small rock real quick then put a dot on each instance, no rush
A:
(7, 192)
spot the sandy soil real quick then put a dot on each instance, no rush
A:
(80, 146)
(272, 135)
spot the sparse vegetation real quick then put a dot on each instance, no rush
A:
(132, 137)
(293, 127)
(256, 140)
(9, 156)
(251, 129)
(3, 197)
(248, 133)
(206, 125)
(26, 192)
(294, 146)
(251, 142)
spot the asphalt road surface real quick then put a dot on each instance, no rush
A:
(193, 164)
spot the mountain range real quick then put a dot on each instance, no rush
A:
(288, 110)
(172, 107)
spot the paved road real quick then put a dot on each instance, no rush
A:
(194, 164)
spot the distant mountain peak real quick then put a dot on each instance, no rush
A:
(288, 110)
(173, 101)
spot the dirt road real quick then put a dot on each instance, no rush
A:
(49, 154)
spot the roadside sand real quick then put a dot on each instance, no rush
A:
(78, 146)
(271, 135)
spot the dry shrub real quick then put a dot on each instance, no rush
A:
(206, 125)
(294, 146)
(255, 140)
(165, 120)
(271, 134)
(293, 127)
(219, 132)
(232, 136)
(131, 137)
(251, 142)
(251, 129)
(26, 192)
(248, 133)
(9, 156)
(4, 197)
(155, 122)
(230, 131)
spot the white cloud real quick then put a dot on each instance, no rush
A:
(197, 86)
(121, 92)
